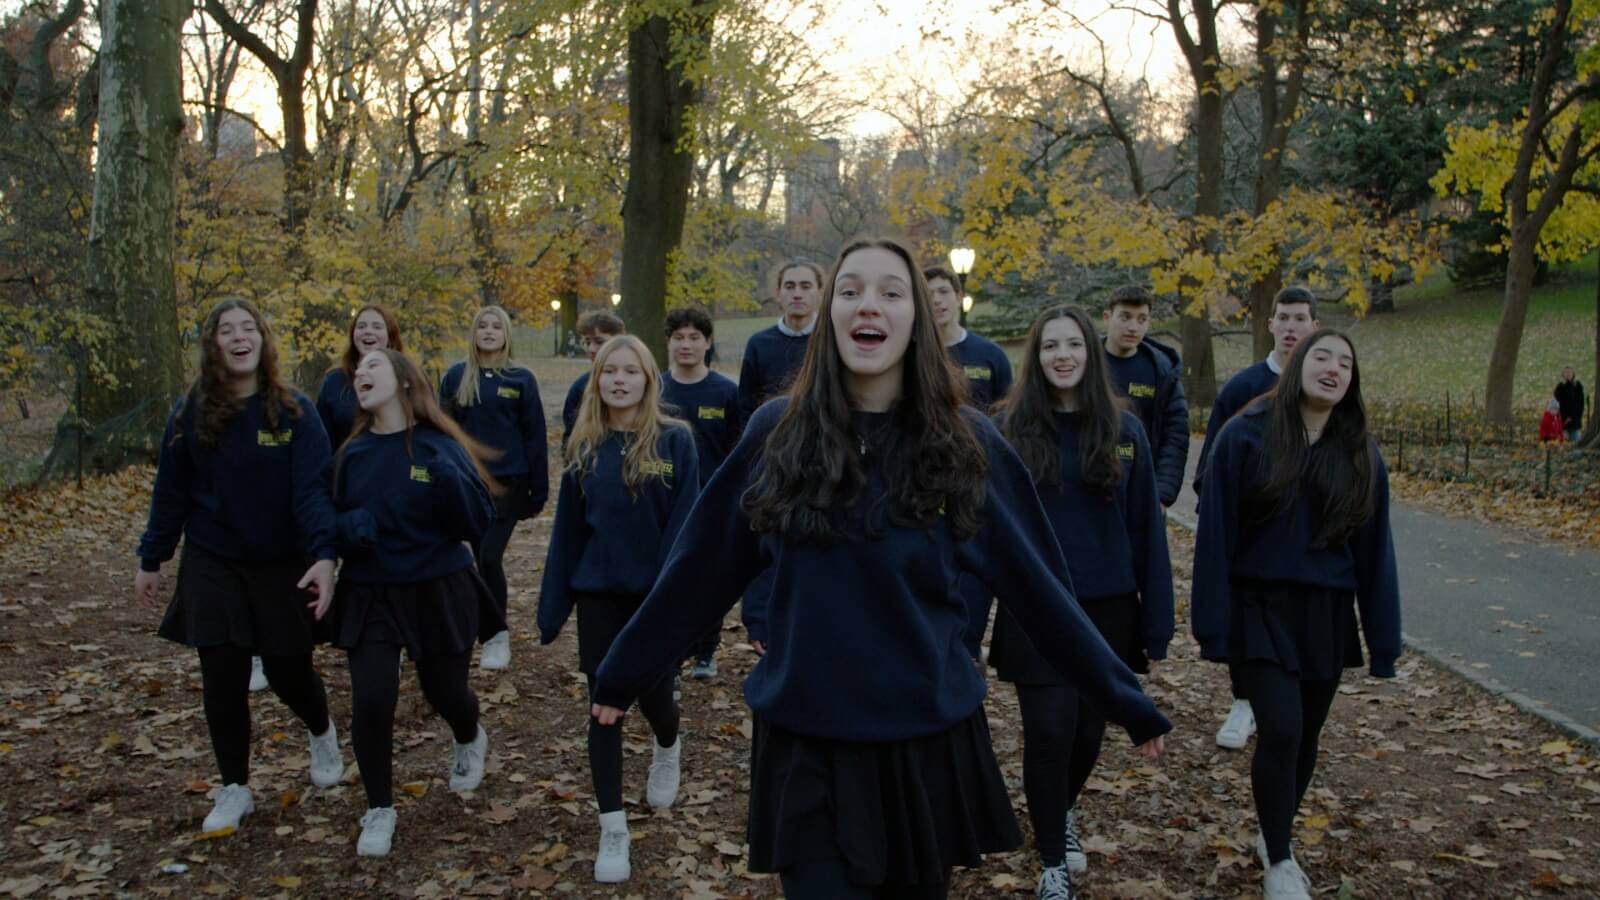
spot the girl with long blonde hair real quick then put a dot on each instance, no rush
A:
(630, 478)
(496, 401)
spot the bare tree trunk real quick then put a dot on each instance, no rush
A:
(485, 256)
(131, 280)
(1278, 109)
(1202, 52)
(660, 162)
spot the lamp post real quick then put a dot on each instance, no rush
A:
(555, 307)
(961, 259)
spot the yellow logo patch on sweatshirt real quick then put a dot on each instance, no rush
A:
(508, 391)
(658, 467)
(713, 412)
(1124, 451)
(275, 438)
(977, 373)
(420, 473)
(1141, 390)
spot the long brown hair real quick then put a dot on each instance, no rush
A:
(420, 407)
(590, 428)
(352, 356)
(1339, 469)
(214, 404)
(1027, 415)
(812, 466)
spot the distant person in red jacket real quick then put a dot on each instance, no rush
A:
(1550, 427)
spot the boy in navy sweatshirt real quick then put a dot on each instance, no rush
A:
(1293, 538)
(1149, 374)
(709, 402)
(496, 401)
(773, 355)
(596, 327)
(1294, 318)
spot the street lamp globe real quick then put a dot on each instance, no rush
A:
(961, 259)
(616, 299)
(966, 303)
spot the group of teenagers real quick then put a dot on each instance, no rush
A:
(871, 484)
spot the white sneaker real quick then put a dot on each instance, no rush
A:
(1055, 884)
(233, 803)
(258, 675)
(327, 765)
(662, 787)
(496, 652)
(611, 863)
(466, 772)
(1241, 723)
(377, 832)
(1076, 861)
(1285, 881)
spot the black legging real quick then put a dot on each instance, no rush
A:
(1236, 681)
(706, 647)
(225, 693)
(1290, 712)
(491, 554)
(605, 741)
(1061, 737)
(375, 689)
(829, 880)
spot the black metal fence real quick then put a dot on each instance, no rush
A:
(1449, 443)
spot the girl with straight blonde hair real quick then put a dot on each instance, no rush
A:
(497, 402)
(631, 476)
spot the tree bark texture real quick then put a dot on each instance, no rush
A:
(131, 281)
(1279, 105)
(1203, 55)
(660, 163)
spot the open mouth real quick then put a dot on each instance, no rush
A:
(240, 353)
(1064, 372)
(1331, 384)
(868, 338)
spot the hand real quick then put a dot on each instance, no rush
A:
(319, 581)
(605, 715)
(761, 647)
(1153, 748)
(145, 587)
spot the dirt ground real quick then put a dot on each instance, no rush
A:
(1428, 787)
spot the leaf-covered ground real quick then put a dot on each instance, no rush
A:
(1428, 786)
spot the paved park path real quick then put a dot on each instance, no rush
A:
(1517, 614)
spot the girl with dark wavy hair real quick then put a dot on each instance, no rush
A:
(867, 491)
(242, 480)
(412, 492)
(373, 327)
(1294, 539)
(1092, 464)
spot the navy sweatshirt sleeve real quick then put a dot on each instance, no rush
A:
(1016, 554)
(1172, 456)
(535, 445)
(313, 497)
(1377, 579)
(1216, 537)
(569, 406)
(1243, 387)
(336, 406)
(567, 539)
(750, 380)
(1147, 533)
(684, 487)
(448, 385)
(461, 504)
(170, 500)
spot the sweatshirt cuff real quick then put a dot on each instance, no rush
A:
(1148, 727)
(149, 565)
(605, 695)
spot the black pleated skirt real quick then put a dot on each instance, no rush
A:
(601, 617)
(895, 813)
(441, 616)
(1016, 660)
(254, 605)
(1309, 630)
(514, 503)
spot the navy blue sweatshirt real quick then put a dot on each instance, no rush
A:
(608, 540)
(1161, 407)
(711, 407)
(509, 417)
(867, 632)
(1245, 385)
(986, 367)
(771, 361)
(259, 495)
(569, 407)
(1118, 545)
(336, 404)
(1233, 541)
(407, 514)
